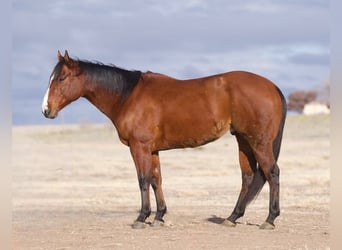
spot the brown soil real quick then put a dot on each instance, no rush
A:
(75, 187)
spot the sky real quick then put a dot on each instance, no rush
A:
(285, 41)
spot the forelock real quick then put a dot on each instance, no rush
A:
(57, 69)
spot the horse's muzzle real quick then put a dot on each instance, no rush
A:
(47, 113)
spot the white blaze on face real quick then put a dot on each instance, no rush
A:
(45, 100)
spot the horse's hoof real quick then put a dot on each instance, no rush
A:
(228, 223)
(267, 226)
(138, 225)
(157, 223)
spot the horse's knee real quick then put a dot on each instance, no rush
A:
(155, 183)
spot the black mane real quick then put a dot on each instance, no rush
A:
(115, 79)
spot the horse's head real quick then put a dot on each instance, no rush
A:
(65, 86)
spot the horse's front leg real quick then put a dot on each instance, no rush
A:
(157, 188)
(143, 162)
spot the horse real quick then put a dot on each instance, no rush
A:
(153, 112)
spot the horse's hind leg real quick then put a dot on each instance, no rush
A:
(157, 188)
(265, 158)
(252, 180)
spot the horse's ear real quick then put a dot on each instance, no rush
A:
(59, 56)
(66, 56)
(68, 61)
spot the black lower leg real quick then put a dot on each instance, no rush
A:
(253, 189)
(241, 203)
(161, 207)
(144, 214)
(160, 213)
(145, 199)
(274, 210)
(236, 214)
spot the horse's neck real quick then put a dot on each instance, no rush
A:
(104, 100)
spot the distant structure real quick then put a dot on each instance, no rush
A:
(315, 108)
(298, 99)
(311, 102)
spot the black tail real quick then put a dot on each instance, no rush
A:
(277, 140)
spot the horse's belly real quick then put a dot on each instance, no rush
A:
(193, 135)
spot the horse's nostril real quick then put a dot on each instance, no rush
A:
(46, 112)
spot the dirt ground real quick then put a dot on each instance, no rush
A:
(75, 187)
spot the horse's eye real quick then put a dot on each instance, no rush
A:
(61, 78)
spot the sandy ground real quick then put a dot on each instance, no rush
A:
(75, 187)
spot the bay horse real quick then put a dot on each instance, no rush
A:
(153, 112)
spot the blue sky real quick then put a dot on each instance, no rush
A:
(285, 41)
